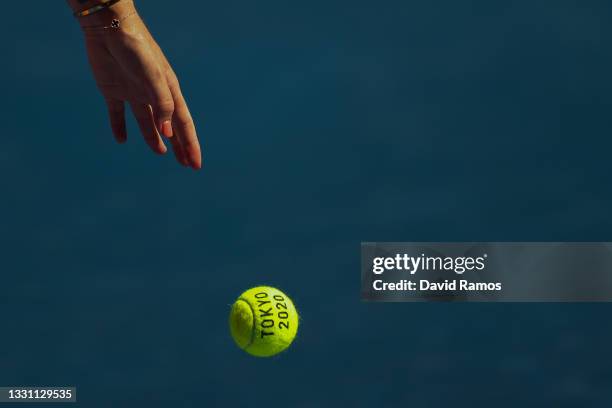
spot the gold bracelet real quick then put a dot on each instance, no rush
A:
(104, 4)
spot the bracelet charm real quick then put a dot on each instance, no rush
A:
(115, 24)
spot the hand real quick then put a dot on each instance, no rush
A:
(129, 66)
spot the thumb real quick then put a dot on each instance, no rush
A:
(162, 105)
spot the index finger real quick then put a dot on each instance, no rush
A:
(183, 126)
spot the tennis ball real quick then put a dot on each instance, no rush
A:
(263, 321)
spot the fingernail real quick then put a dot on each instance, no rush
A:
(166, 129)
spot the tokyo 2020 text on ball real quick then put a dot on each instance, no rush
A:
(263, 321)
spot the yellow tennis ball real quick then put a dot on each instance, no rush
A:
(263, 321)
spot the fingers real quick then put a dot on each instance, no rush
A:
(141, 66)
(162, 103)
(144, 117)
(116, 113)
(152, 90)
(179, 153)
(162, 112)
(184, 128)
